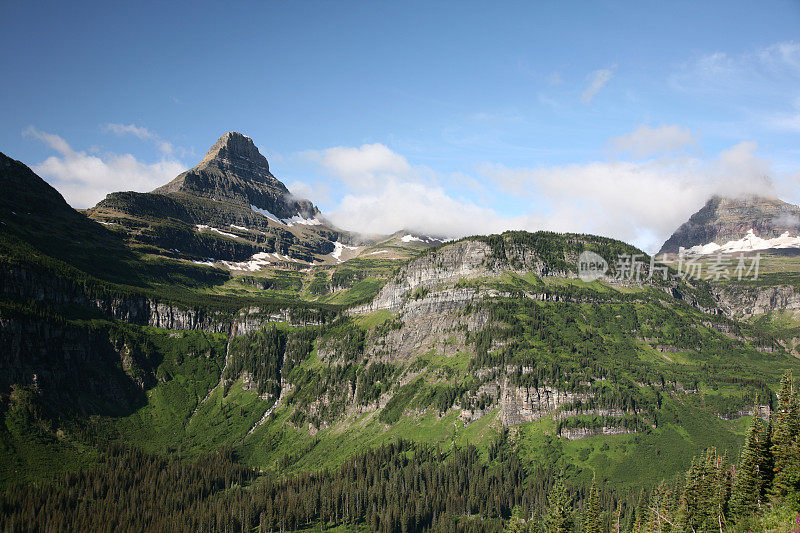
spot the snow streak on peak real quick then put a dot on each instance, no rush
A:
(297, 219)
(749, 243)
(421, 238)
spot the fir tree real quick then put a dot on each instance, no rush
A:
(559, 517)
(705, 497)
(753, 472)
(592, 521)
(662, 509)
(784, 439)
(641, 514)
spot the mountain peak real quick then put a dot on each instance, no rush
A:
(723, 219)
(234, 146)
(234, 171)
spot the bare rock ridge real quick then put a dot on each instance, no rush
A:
(234, 171)
(728, 219)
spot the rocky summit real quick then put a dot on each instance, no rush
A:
(234, 171)
(722, 220)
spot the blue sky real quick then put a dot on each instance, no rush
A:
(454, 118)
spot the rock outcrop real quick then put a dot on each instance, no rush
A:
(744, 301)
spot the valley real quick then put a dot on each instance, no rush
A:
(190, 330)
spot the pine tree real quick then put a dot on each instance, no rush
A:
(559, 508)
(705, 496)
(517, 524)
(752, 474)
(722, 489)
(592, 521)
(641, 514)
(784, 438)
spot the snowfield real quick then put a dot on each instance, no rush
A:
(338, 248)
(749, 243)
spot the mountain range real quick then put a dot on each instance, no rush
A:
(222, 344)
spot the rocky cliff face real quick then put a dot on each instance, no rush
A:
(746, 301)
(728, 219)
(234, 171)
(464, 260)
(31, 285)
(86, 369)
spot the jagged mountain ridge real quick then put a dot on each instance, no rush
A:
(228, 207)
(722, 220)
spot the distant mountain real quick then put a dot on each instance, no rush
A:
(234, 171)
(738, 224)
(227, 208)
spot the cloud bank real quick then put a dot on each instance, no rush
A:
(84, 179)
(373, 189)
(639, 201)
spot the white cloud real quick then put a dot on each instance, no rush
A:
(641, 202)
(787, 220)
(420, 207)
(361, 168)
(638, 202)
(319, 193)
(384, 193)
(781, 56)
(790, 122)
(140, 132)
(85, 179)
(597, 80)
(130, 129)
(555, 78)
(646, 141)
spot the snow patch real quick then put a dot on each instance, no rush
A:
(204, 227)
(379, 252)
(338, 248)
(258, 261)
(255, 263)
(749, 243)
(265, 213)
(298, 219)
(422, 238)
